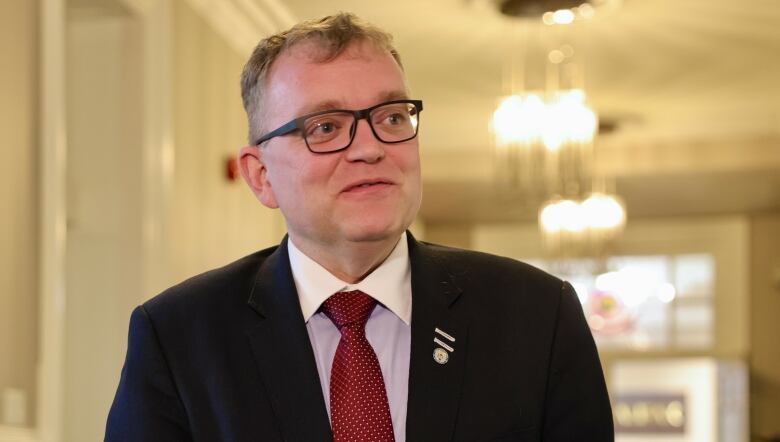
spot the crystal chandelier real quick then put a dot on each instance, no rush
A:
(544, 143)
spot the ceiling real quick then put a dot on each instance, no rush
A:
(692, 88)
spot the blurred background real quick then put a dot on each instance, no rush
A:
(631, 147)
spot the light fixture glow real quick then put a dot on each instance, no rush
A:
(666, 293)
(562, 216)
(551, 218)
(545, 141)
(560, 119)
(517, 119)
(586, 10)
(604, 211)
(572, 219)
(556, 56)
(563, 16)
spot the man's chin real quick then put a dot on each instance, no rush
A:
(369, 234)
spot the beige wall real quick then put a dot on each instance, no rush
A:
(104, 200)
(212, 221)
(207, 221)
(453, 235)
(765, 325)
(18, 197)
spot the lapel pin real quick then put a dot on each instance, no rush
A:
(444, 334)
(440, 353)
(443, 344)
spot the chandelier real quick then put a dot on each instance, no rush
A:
(545, 140)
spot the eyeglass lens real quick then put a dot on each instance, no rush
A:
(391, 123)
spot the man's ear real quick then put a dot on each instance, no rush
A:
(253, 169)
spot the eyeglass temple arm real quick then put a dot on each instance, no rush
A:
(284, 130)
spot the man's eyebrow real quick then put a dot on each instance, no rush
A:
(321, 106)
(335, 104)
(393, 95)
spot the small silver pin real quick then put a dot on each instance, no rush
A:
(444, 334)
(440, 342)
(440, 355)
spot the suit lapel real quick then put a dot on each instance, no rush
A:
(282, 350)
(434, 387)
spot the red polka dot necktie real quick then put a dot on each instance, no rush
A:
(358, 400)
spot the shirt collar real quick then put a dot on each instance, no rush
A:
(390, 283)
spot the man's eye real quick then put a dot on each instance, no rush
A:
(325, 128)
(322, 128)
(396, 119)
(391, 119)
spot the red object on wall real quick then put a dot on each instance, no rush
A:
(231, 168)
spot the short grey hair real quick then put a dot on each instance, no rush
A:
(331, 35)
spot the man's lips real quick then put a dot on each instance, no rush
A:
(357, 186)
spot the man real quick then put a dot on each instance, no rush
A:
(351, 329)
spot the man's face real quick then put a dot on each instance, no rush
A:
(369, 192)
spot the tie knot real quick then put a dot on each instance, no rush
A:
(348, 308)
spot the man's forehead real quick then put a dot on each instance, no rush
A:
(314, 50)
(294, 71)
(336, 103)
(317, 56)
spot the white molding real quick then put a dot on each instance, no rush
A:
(53, 218)
(158, 149)
(242, 23)
(14, 434)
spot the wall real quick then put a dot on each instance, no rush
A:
(764, 326)
(104, 276)
(212, 221)
(18, 200)
(453, 235)
(204, 220)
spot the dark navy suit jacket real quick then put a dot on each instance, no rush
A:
(225, 356)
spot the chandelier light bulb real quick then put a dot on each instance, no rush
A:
(596, 220)
(518, 119)
(573, 219)
(563, 16)
(551, 218)
(573, 117)
(528, 118)
(604, 211)
(563, 216)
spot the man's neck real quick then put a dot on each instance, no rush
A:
(348, 261)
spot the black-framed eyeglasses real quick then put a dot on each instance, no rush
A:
(329, 131)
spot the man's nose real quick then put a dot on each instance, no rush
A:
(365, 145)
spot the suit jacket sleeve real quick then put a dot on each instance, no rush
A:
(577, 404)
(147, 406)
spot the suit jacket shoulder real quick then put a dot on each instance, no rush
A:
(228, 284)
(523, 364)
(221, 356)
(496, 281)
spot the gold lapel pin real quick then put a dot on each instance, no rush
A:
(440, 355)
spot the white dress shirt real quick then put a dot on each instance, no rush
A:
(388, 329)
